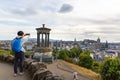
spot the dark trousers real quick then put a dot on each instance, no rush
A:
(19, 56)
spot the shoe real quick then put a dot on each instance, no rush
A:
(15, 75)
(21, 73)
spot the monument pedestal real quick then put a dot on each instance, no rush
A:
(43, 49)
(43, 54)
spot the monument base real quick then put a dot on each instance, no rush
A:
(43, 55)
(43, 49)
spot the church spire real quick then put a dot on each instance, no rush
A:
(98, 40)
(106, 44)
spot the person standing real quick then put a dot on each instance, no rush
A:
(75, 76)
(17, 47)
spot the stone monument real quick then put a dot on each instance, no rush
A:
(43, 52)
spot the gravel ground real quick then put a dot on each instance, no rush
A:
(6, 73)
(63, 70)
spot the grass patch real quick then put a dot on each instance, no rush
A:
(84, 72)
(5, 52)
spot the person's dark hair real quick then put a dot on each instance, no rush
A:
(20, 33)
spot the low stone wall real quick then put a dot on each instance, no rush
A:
(7, 58)
(37, 70)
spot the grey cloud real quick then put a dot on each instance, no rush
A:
(16, 23)
(90, 33)
(25, 11)
(110, 30)
(111, 21)
(104, 21)
(66, 8)
(94, 21)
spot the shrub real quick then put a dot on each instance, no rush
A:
(111, 69)
(85, 61)
(63, 55)
(75, 52)
(96, 66)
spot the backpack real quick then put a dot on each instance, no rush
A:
(16, 44)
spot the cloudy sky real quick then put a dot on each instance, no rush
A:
(68, 19)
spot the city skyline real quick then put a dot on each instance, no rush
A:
(68, 19)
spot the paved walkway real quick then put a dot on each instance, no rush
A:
(6, 73)
(57, 68)
(61, 69)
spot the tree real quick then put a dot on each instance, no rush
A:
(111, 69)
(55, 52)
(75, 52)
(63, 54)
(85, 60)
(87, 52)
(96, 66)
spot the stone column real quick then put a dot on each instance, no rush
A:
(42, 41)
(48, 40)
(38, 39)
(45, 39)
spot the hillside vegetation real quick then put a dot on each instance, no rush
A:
(84, 72)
